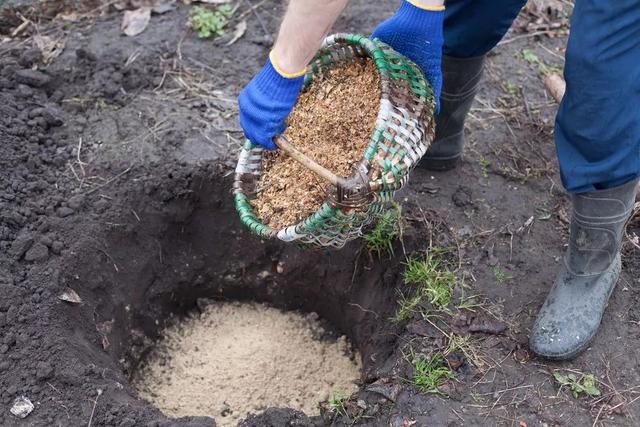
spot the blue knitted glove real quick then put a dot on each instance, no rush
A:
(416, 33)
(266, 102)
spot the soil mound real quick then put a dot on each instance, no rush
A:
(240, 358)
(331, 123)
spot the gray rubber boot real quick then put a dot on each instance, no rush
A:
(460, 82)
(572, 312)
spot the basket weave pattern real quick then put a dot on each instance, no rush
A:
(403, 132)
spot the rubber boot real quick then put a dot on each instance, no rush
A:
(572, 312)
(461, 79)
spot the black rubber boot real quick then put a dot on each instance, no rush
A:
(460, 82)
(572, 312)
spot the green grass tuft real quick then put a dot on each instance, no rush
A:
(430, 374)
(406, 307)
(434, 280)
(336, 402)
(380, 239)
(501, 276)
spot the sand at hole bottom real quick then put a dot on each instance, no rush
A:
(331, 123)
(239, 358)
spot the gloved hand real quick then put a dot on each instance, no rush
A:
(416, 33)
(266, 102)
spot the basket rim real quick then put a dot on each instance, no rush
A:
(374, 51)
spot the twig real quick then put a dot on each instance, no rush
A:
(124, 172)
(80, 162)
(526, 36)
(364, 309)
(259, 18)
(95, 403)
(250, 10)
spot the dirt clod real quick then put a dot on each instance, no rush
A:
(331, 124)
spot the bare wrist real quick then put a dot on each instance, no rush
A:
(288, 62)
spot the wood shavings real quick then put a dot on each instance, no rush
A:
(331, 123)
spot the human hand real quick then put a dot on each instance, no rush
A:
(266, 102)
(415, 31)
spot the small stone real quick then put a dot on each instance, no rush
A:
(64, 212)
(100, 205)
(38, 252)
(22, 407)
(57, 246)
(21, 244)
(76, 202)
(127, 422)
(44, 370)
(47, 241)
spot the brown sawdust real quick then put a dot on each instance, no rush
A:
(331, 123)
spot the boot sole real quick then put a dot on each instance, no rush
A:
(442, 164)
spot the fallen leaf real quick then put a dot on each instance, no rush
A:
(487, 325)
(69, 295)
(163, 6)
(556, 86)
(385, 388)
(67, 16)
(135, 21)
(212, 1)
(239, 31)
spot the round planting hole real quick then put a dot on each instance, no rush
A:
(236, 358)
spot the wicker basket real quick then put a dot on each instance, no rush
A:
(403, 132)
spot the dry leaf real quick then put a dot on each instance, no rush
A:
(49, 47)
(135, 21)
(212, 1)
(69, 295)
(556, 86)
(67, 16)
(239, 31)
(163, 6)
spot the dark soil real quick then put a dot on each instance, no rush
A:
(115, 177)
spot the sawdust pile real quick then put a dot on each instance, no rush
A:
(331, 123)
(239, 358)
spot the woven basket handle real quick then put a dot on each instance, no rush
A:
(351, 192)
(306, 161)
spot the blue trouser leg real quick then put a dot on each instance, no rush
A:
(473, 27)
(598, 123)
